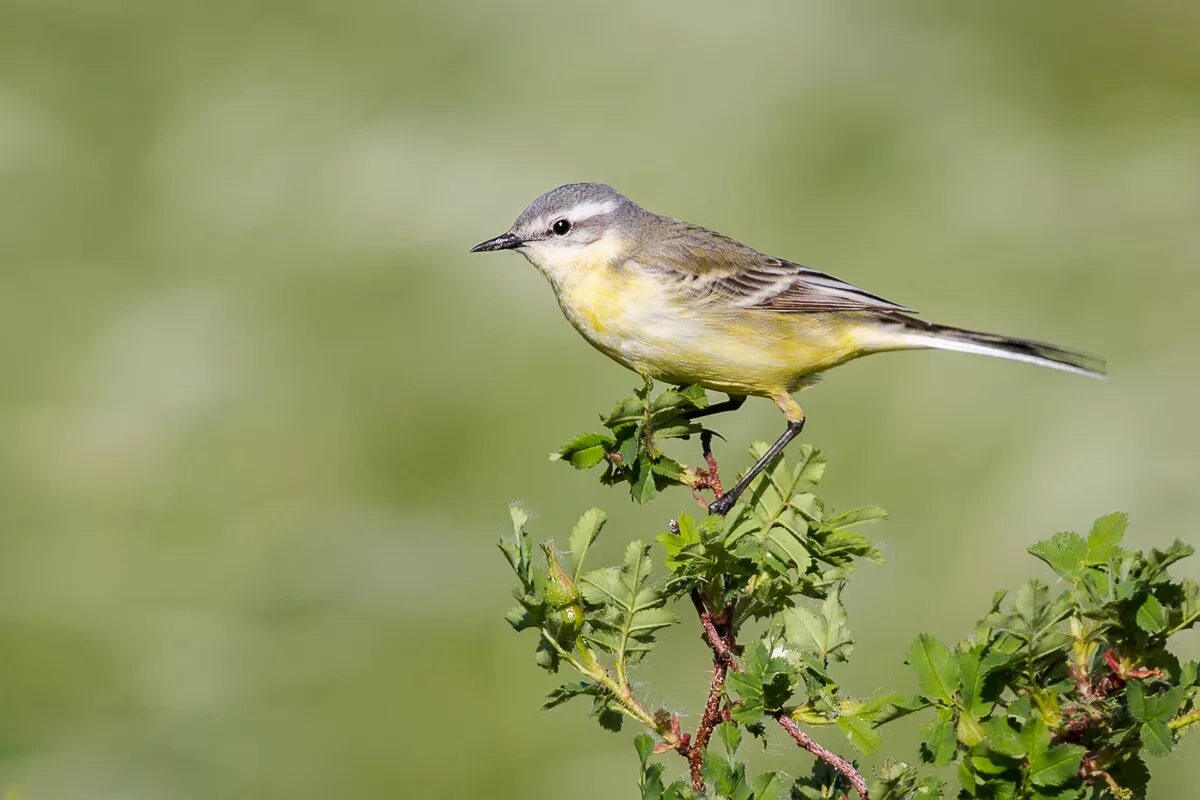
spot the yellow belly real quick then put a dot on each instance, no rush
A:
(650, 327)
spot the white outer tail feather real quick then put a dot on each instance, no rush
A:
(934, 342)
(900, 332)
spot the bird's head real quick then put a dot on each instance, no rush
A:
(574, 224)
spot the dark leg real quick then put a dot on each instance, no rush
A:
(734, 402)
(726, 501)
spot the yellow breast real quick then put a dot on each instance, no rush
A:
(654, 326)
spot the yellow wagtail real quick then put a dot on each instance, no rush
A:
(682, 304)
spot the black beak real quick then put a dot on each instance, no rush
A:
(505, 241)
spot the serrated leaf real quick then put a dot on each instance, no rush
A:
(583, 534)
(607, 712)
(628, 410)
(860, 733)
(1189, 607)
(1188, 673)
(644, 746)
(1035, 737)
(642, 488)
(632, 606)
(1064, 553)
(1152, 708)
(1104, 540)
(888, 707)
(764, 684)
(724, 777)
(568, 691)
(853, 517)
(770, 786)
(695, 395)
(972, 683)
(730, 736)
(545, 656)
(825, 635)
(1000, 738)
(939, 744)
(588, 443)
(588, 458)
(1156, 738)
(1151, 616)
(1056, 765)
(936, 668)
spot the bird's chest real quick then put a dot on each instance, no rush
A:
(625, 314)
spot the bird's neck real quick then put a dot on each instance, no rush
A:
(565, 269)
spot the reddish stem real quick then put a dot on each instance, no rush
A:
(722, 646)
(844, 767)
(711, 477)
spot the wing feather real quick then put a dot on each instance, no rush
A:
(721, 270)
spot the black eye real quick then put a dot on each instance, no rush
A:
(560, 227)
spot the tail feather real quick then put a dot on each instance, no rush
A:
(917, 333)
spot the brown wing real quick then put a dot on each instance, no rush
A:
(723, 270)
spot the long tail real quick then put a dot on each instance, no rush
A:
(903, 332)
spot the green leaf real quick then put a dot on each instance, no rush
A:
(1035, 737)
(642, 489)
(1188, 613)
(1188, 673)
(826, 635)
(730, 736)
(569, 691)
(1151, 616)
(1104, 540)
(861, 735)
(631, 606)
(727, 779)
(585, 450)
(937, 669)
(764, 685)
(588, 458)
(1056, 765)
(1000, 738)
(628, 410)
(695, 396)
(890, 706)
(771, 786)
(976, 697)
(1064, 552)
(607, 712)
(1152, 708)
(1156, 738)
(645, 748)
(968, 730)
(853, 517)
(939, 744)
(517, 551)
(584, 533)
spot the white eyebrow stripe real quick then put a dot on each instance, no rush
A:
(591, 208)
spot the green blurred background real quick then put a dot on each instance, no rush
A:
(261, 413)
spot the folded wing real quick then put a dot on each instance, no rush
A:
(721, 270)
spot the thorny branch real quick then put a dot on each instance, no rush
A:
(844, 767)
(720, 634)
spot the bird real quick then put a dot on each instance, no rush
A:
(683, 304)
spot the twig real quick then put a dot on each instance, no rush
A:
(711, 717)
(711, 477)
(844, 767)
(1183, 720)
(714, 471)
(722, 649)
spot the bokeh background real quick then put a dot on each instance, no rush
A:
(261, 413)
